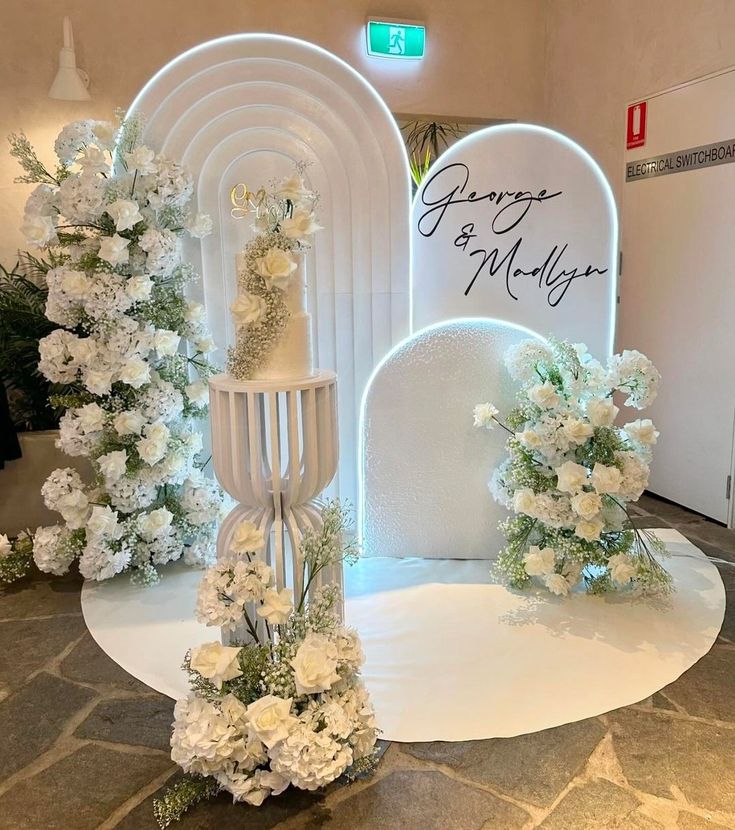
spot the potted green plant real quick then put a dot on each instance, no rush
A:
(30, 423)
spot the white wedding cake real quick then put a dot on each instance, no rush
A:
(292, 358)
(273, 326)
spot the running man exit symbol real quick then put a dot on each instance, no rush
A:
(397, 40)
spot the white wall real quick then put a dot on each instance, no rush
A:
(601, 54)
(484, 59)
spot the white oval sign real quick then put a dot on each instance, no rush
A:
(518, 223)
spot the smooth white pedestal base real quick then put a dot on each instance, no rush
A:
(449, 656)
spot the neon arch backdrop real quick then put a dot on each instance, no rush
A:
(519, 223)
(244, 108)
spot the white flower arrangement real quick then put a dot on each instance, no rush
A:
(285, 221)
(16, 556)
(110, 218)
(571, 471)
(283, 707)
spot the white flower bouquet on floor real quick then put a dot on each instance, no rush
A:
(284, 706)
(571, 472)
(129, 356)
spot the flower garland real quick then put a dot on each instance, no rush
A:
(110, 218)
(571, 472)
(287, 707)
(285, 219)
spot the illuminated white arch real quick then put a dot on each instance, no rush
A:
(519, 156)
(415, 416)
(243, 108)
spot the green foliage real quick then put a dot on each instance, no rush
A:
(181, 797)
(425, 142)
(22, 324)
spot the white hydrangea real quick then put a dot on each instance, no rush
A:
(310, 760)
(72, 139)
(209, 738)
(52, 552)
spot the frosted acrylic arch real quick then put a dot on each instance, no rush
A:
(506, 224)
(243, 109)
(425, 467)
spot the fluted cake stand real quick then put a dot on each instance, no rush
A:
(275, 447)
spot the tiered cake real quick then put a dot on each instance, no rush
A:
(292, 358)
(273, 326)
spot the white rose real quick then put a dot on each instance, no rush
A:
(606, 479)
(194, 313)
(102, 522)
(247, 538)
(141, 159)
(300, 225)
(197, 392)
(571, 477)
(91, 417)
(38, 230)
(586, 505)
(166, 342)
(156, 523)
(206, 345)
(544, 395)
(216, 662)
(135, 372)
(98, 381)
(276, 268)
(152, 447)
(601, 412)
(577, 431)
(113, 465)
(125, 214)
(106, 133)
(139, 287)
(293, 189)
(94, 160)
(315, 665)
(539, 561)
(556, 584)
(247, 309)
(589, 529)
(642, 431)
(74, 507)
(621, 568)
(114, 249)
(75, 283)
(200, 226)
(83, 350)
(271, 719)
(276, 606)
(529, 439)
(524, 501)
(5, 546)
(484, 415)
(130, 422)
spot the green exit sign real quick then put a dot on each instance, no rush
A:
(395, 39)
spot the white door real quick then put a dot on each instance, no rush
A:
(677, 287)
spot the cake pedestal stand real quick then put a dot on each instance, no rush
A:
(275, 448)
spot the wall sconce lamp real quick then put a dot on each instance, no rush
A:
(70, 83)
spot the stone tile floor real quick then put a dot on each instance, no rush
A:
(85, 745)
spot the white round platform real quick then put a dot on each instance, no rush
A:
(450, 656)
